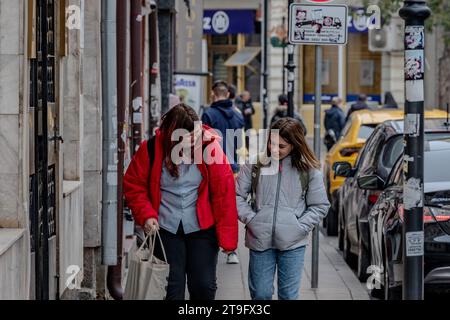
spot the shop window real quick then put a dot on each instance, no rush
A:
(363, 74)
(330, 73)
(363, 69)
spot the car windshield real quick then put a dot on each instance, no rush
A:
(430, 124)
(437, 156)
(366, 130)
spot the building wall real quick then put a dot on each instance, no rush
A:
(392, 75)
(278, 9)
(14, 283)
(14, 145)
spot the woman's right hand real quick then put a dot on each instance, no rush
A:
(151, 225)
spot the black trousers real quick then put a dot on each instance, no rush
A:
(192, 256)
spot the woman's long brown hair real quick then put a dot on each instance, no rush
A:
(179, 117)
(303, 158)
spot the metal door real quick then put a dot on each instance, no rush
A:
(43, 154)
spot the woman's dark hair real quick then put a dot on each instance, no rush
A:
(179, 117)
(303, 158)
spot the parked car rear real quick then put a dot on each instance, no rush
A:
(387, 217)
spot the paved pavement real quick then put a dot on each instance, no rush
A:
(336, 280)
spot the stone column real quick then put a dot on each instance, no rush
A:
(92, 145)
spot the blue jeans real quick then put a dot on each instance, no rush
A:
(289, 265)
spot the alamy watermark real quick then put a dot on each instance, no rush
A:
(376, 277)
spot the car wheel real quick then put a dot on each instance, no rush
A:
(332, 218)
(349, 257)
(389, 293)
(363, 261)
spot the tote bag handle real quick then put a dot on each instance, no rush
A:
(153, 236)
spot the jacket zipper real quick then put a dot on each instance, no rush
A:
(277, 198)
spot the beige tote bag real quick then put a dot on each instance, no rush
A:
(147, 275)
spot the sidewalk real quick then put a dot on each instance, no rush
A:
(336, 280)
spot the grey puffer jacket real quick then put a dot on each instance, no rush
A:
(282, 219)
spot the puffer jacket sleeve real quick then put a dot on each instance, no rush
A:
(243, 190)
(223, 200)
(136, 187)
(317, 202)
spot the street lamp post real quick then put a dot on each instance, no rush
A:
(291, 72)
(414, 12)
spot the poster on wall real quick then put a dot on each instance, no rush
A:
(367, 71)
(188, 88)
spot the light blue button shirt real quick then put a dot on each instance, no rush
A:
(179, 199)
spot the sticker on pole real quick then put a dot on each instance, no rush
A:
(414, 244)
(318, 24)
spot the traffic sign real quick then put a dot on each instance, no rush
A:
(318, 24)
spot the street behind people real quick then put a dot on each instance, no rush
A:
(282, 112)
(334, 122)
(286, 204)
(193, 205)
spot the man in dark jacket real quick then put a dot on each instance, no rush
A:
(282, 112)
(245, 105)
(222, 116)
(361, 104)
(334, 121)
(335, 117)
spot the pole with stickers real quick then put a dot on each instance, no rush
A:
(414, 12)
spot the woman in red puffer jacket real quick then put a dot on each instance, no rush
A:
(193, 205)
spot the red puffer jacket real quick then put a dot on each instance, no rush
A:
(216, 204)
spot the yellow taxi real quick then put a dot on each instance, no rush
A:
(354, 135)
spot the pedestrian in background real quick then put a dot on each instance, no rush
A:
(389, 101)
(282, 112)
(223, 116)
(361, 104)
(193, 205)
(285, 207)
(245, 104)
(334, 122)
(232, 91)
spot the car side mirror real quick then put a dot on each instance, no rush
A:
(371, 182)
(343, 169)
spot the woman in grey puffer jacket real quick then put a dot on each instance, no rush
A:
(286, 208)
